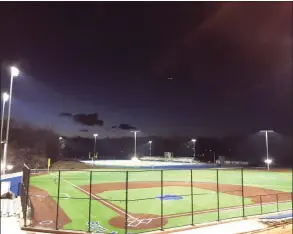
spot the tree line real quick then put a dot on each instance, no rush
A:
(34, 145)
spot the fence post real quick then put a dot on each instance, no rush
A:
(90, 202)
(277, 196)
(162, 207)
(126, 204)
(242, 186)
(27, 195)
(191, 188)
(58, 194)
(260, 203)
(218, 200)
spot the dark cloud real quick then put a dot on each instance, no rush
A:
(83, 130)
(84, 119)
(88, 119)
(125, 127)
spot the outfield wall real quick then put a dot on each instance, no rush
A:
(137, 164)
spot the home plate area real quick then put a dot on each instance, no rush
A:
(138, 221)
(134, 222)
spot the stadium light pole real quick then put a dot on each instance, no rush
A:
(59, 147)
(14, 72)
(95, 142)
(5, 97)
(150, 142)
(267, 161)
(193, 145)
(135, 132)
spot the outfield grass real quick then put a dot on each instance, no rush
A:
(144, 200)
(146, 197)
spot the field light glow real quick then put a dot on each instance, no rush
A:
(14, 71)
(134, 158)
(5, 97)
(268, 161)
(8, 167)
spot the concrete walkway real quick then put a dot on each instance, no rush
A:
(228, 228)
(10, 225)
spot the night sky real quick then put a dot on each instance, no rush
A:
(230, 65)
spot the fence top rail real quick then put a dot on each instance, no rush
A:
(26, 166)
(12, 175)
(136, 169)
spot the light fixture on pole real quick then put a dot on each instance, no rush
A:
(214, 159)
(193, 146)
(59, 147)
(14, 72)
(150, 142)
(267, 161)
(95, 142)
(8, 167)
(5, 98)
(135, 132)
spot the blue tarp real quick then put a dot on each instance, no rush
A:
(278, 216)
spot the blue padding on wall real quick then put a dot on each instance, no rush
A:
(15, 184)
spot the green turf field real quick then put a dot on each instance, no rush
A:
(75, 200)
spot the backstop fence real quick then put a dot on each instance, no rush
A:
(147, 200)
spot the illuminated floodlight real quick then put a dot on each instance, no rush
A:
(150, 142)
(95, 135)
(60, 138)
(5, 97)
(134, 158)
(14, 71)
(193, 140)
(266, 131)
(268, 161)
(8, 167)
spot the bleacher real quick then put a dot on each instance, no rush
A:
(173, 159)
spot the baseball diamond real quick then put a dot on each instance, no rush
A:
(134, 201)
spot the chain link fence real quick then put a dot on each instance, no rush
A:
(143, 200)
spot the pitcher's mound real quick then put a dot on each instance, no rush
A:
(138, 221)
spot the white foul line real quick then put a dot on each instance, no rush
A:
(67, 196)
(109, 204)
